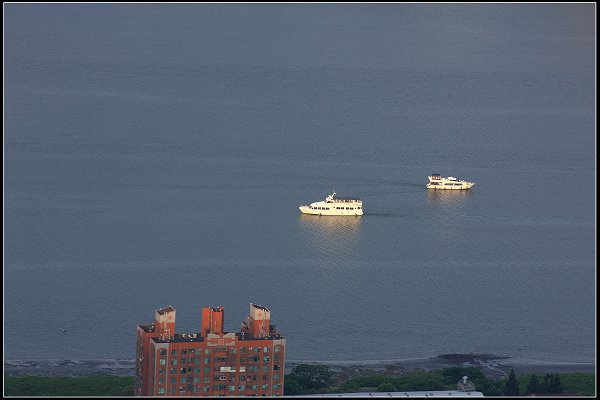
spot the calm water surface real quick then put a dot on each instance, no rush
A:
(156, 155)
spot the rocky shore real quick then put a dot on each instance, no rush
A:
(493, 366)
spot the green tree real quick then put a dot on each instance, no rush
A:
(291, 387)
(555, 385)
(533, 386)
(512, 385)
(386, 387)
(546, 385)
(316, 376)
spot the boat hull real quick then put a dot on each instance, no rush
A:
(441, 187)
(311, 211)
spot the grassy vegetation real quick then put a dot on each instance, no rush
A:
(76, 386)
(582, 384)
(445, 379)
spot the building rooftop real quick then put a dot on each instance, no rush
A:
(197, 337)
(432, 393)
(165, 310)
(259, 306)
(181, 337)
(273, 335)
(147, 328)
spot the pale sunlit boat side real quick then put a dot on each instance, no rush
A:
(449, 183)
(334, 206)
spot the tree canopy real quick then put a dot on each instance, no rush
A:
(312, 376)
(512, 385)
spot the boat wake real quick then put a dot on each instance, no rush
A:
(385, 215)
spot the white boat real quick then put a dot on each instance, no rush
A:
(449, 183)
(334, 206)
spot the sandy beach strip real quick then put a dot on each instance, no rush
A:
(493, 366)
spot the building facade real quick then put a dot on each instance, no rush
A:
(211, 362)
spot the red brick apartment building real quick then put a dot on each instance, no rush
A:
(211, 362)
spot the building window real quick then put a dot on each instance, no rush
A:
(232, 388)
(173, 390)
(206, 379)
(182, 370)
(174, 361)
(276, 357)
(161, 381)
(206, 351)
(266, 358)
(243, 350)
(163, 361)
(161, 390)
(241, 387)
(265, 368)
(275, 377)
(173, 370)
(206, 360)
(264, 387)
(266, 349)
(205, 389)
(183, 351)
(183, 380)
(277, 348)
(162, 352)
(232, 350)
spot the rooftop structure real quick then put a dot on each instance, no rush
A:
(433, 393)
(211, 362)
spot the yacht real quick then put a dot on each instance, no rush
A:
(438, 182)
(334, 206)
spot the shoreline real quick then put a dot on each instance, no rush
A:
(495, 367)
